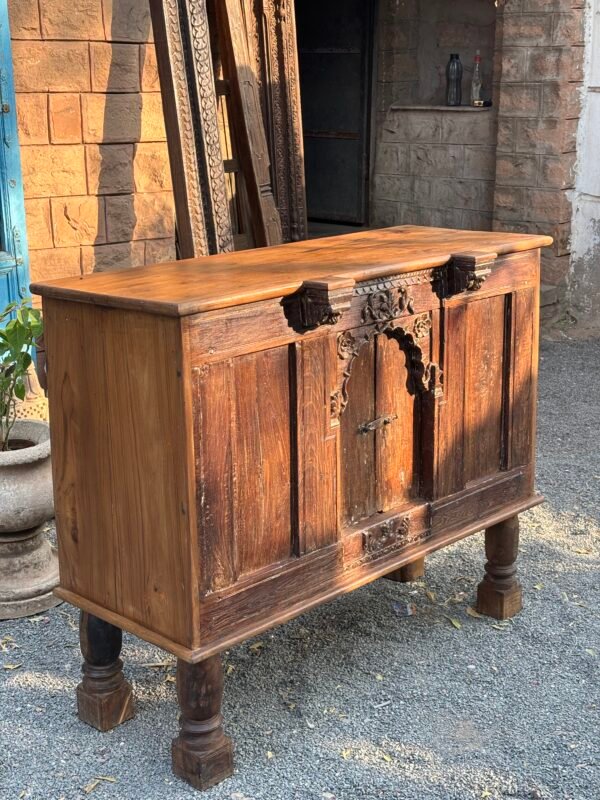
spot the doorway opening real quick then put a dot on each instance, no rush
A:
(335, 47)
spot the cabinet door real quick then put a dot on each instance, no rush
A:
(243, 465)
(380, 425)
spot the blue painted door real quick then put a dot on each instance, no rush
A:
(14, 266)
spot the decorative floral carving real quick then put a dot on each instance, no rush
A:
(347, 345)
(337, 404)
(422, 326)
(392, 534)
(476, 279)
(406, 302)
(469, 271)
(385, 304)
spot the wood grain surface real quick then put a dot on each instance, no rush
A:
(232, 279)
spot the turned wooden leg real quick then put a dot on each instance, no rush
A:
(409, 572)
(202, 754)
(104, 697)
(500, 594)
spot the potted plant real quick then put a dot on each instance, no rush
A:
(28, 563)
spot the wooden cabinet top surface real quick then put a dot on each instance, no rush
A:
(231, 279)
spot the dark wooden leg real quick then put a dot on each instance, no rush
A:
(409, 572)
(202, 754)
(500, 594)
(104, 697)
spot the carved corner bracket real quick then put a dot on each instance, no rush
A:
(469, 271)
(320, 302)
(385, 304)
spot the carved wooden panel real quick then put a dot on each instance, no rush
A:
(233, 32)
(257, 42)
(274, 46)
(182, 37)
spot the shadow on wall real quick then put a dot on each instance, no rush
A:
(112, 152)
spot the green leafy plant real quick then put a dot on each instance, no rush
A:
(20, 327)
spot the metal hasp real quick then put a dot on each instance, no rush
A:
(377, 424)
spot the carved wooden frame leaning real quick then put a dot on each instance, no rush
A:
(185, 66)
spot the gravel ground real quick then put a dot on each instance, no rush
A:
(353, 701)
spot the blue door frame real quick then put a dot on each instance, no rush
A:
(14, 261)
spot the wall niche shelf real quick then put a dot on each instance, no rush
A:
(402, 107)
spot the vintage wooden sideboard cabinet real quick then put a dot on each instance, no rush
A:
(239, 438)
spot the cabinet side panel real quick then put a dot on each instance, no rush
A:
(262, 455)
(484, 387)
(120, 463)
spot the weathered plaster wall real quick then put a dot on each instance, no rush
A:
(584, 284)
(95, 166)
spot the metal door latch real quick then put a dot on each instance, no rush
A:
(380, 422)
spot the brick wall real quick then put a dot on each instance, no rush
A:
(95, 166)
(540, 45)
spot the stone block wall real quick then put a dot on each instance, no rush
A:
(95, 166)
(432, 165)
(436, 167)
(540, 53)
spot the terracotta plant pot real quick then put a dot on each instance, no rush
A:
(28, 564)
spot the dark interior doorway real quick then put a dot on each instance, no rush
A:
(335, 43)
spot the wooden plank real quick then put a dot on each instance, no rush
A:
(120, 457)
(480, 500)
(262, 454)
(524, 369)
(484, 385)
(357, 450)
(452, 409)
(214, 425)
(247, 122)
(182, 41)
(397, 443)
(317, 452)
